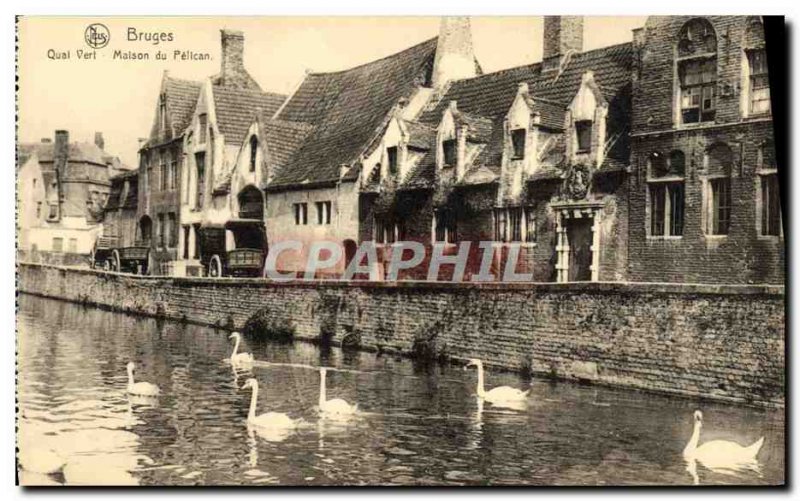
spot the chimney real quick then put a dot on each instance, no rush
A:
(563, 36)
(98, 140)
(454, 58)
(232, 72)
(61, 151)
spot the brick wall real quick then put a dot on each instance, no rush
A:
(721, 342)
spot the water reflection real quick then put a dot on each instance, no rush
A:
(415, 425)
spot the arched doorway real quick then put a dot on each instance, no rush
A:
(251, 203)
(145, 229)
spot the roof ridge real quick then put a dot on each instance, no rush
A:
(579, 55)
(374, 61)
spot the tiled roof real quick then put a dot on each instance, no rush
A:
(347, 108)
(181, 100)
(117, 187)
(78, 153)
(283, 138)
(491, 94)
(236, 108)
(421, 136)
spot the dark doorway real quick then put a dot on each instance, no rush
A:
(251, 203)
(579, 236)
(145, 230)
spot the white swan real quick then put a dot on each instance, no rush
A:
(499, 395)
(143, 389)
(720, 454)
(334, 406)
(239, 358)
(269, 420)
(42, 460)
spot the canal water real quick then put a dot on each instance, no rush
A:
(417, 425)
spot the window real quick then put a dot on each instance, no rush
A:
(514, 224)
(583, 133)
(449, 150)
(301, 213)
(163, 174)
(323, 212)
(698, 81)
(391, 157)
(500, 225)
(253, 152)
(197, 239)
(53, 214)
(58, 244)
(73, 245)
(172, 181)
(172, 224)
(202, 125)
(518, 142)
(161, 231)
(444, 226)
(38, 210)
(387, 232)
(759, 82)
(666, 209)
(720, 206)
(530, 224)
(162, 112)
(200, 165)
(770, 205)
(186, 233)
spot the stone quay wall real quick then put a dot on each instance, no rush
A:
(719, 342)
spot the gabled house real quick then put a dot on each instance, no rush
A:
(315, 193)
(219, 123)
(532, 158)
(62, 189)
(160, 159)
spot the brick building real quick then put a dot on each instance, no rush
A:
(704, 198)
(216, 127)
(160, 160)
(62, 189)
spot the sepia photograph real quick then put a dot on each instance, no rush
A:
(459, 250)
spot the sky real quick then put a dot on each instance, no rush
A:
(118, 97)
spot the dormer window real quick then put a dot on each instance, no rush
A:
(697, 72)
(253, 152)
(449, 151)
(583, 133)
(202, 124)
(518, 143)
(391, 159)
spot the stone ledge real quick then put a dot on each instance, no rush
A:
(544, 287)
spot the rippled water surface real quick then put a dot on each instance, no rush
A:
(417, 425)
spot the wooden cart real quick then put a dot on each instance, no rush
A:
(247, 257)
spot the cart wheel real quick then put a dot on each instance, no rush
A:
(115, 263)
(215, 267)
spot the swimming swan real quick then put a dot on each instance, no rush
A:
(143, 389)
(270, 420)
(499, 395)
(239, 358)
(335, 406)
(719, 454)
